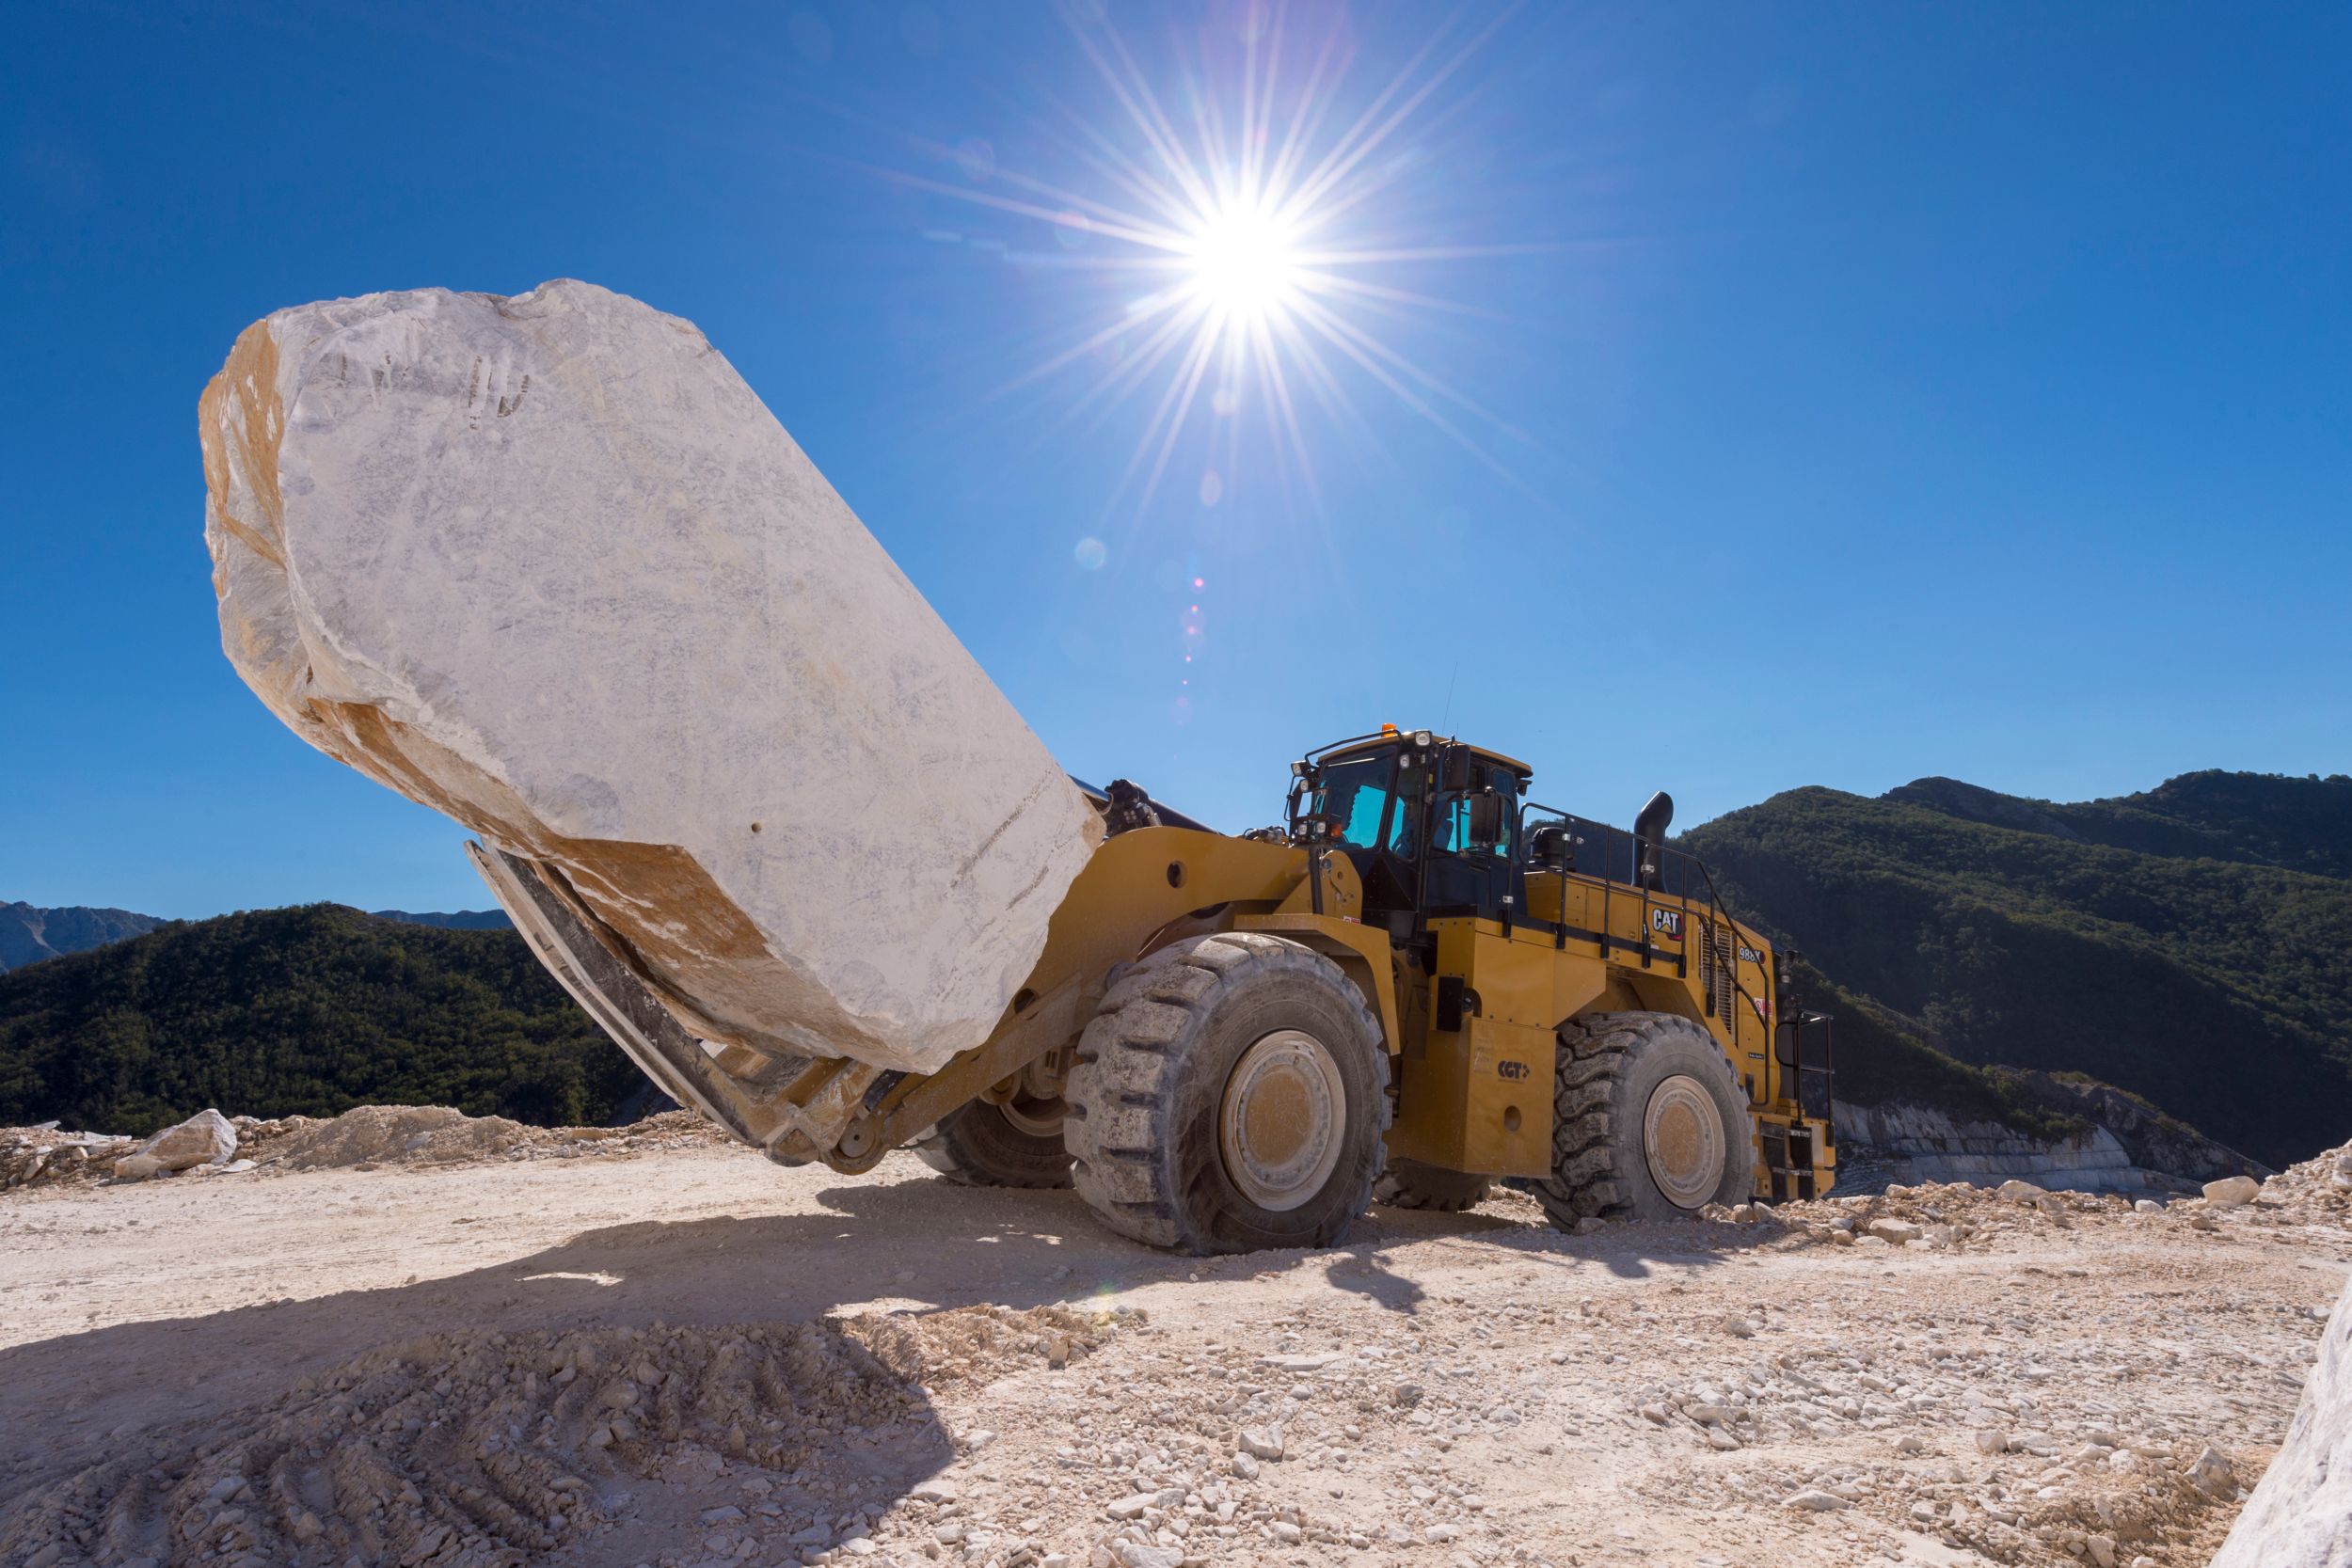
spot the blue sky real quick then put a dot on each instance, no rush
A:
(1860, 392)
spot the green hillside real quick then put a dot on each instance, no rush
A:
(2176, 943)
(313, 1011)
(1881, 1059)
(2256, 818)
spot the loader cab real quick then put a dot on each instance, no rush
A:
(1431, 824)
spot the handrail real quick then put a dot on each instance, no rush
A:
(1609, 835)
(1715, 897)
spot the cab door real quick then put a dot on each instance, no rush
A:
(1472, 864)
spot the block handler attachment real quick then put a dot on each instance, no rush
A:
(1417, 983)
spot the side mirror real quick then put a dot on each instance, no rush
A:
(1486, 819)
(1454, 776)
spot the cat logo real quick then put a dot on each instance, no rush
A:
(1667, 922)
(1512, 1071)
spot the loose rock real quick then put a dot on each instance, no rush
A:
(2232, 1191)
(1263, 1442)
(204, 1138)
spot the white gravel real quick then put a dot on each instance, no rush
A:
(2055, 1380)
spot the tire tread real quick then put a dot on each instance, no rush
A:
(1121, 1089)
(1589, 1131)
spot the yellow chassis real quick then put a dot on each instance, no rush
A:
(1473, 1043)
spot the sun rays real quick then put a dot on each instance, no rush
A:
(1234, 222)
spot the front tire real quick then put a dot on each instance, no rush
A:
(1648, 1122)
(1230, 1095)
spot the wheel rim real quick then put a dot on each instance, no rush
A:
(1283, 1119)
(1038, 1119)
(1682, 1139)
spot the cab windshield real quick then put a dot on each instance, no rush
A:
(1356, 796)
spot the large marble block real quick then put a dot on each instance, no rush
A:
(547, 564)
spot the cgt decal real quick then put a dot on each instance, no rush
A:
(1511, 1069)
(1667, 923)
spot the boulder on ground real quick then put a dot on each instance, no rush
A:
(204, 1139)
(399, 1135)
(547, 565)
(2301, 1512)
(2232, 1191)
(2019, 1192)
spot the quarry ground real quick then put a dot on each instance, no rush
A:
(679, 1353)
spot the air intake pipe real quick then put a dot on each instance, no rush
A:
(1649, 833)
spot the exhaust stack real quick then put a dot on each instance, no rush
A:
(1650, 832)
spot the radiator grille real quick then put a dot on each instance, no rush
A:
(1716, 972)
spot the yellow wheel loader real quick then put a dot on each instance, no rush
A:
(1419, 983)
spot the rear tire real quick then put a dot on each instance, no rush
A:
(1648, 1122)
(1410, 1184)
(1230, 1095)
(981, 1144)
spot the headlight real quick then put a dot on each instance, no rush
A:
(1422, 738)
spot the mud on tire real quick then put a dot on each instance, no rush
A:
(979, 1146)
(1610, 1068)
(1149, 1105)
(1410, 1184)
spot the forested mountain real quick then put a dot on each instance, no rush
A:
(311, 1010)
(2255, 819)
(29, 935)
(2192, 944)
(454, 920)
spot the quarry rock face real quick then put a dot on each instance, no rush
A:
(2300, 1513)
(547, 564)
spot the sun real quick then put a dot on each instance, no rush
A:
(1240, 238)
(1245, 263)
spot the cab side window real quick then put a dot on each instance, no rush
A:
(1453, 832)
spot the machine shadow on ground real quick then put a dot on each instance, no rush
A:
(915, 1245)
